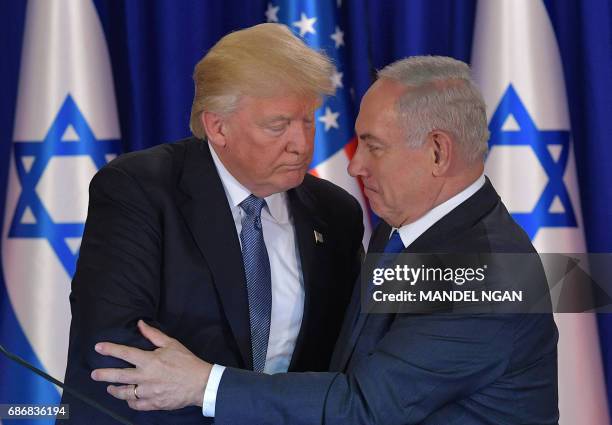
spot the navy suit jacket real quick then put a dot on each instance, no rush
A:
(420, 368)
(160, 244)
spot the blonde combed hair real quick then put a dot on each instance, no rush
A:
(263, 60)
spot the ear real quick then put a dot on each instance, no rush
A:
(441, 150)
(215, 128)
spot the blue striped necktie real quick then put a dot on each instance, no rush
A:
(259, 286)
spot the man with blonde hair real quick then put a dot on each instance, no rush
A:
(221, 240)
(422, 133)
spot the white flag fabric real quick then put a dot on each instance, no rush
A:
(66, 128)
(517, 64)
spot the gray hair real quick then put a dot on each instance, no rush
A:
(442, 96)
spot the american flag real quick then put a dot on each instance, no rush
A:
(318, 23)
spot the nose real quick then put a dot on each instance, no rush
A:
(357, 164)
(300, 138)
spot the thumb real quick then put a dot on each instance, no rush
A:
(157, 337)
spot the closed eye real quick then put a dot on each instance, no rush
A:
(277, 126)
(372, 148)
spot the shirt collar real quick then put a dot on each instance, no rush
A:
(236, 192)
(410, 232)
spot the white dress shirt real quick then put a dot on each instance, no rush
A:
(286, 278)
(410, 232)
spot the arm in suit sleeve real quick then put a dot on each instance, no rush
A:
(421, 364)
(118, 272)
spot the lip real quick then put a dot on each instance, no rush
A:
(293, 167)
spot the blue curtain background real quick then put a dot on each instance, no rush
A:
(154, 46)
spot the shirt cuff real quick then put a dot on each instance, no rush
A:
(210, 393)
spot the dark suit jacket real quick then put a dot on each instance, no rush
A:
(160, 244)
(420, 368)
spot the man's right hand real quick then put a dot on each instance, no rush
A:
(168, 378)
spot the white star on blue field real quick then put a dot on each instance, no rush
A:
(40, 153)
(539, 141)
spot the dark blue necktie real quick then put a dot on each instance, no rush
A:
(259, 286)
(395, 244)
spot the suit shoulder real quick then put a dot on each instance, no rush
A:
(330, 196)
(496, 232)
(505, 234)
(157, 160)
(159, 165)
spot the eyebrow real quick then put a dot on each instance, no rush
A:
(276, 118)
(273, 120)
(369, 137)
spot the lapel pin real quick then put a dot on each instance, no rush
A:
(318, 237)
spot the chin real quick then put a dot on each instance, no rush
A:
(375, 206)
(291, 180)
(297, 179)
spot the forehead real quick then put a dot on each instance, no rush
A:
(284, 105)
(378, 110)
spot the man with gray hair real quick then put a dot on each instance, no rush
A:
(221, 240)
(422, 133)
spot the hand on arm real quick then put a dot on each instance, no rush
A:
(168, 378)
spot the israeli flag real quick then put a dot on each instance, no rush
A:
(66, 128)
(531, 163)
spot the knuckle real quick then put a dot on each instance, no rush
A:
(136, 404)
(116, 392)
(164, 404)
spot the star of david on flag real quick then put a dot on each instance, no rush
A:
(38, 215)
(517, 64)
(511, 125)
(66, 128)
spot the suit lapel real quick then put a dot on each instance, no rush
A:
(313, 253)
(464, 216)
(205, 208)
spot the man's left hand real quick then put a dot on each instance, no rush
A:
(168, 378)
